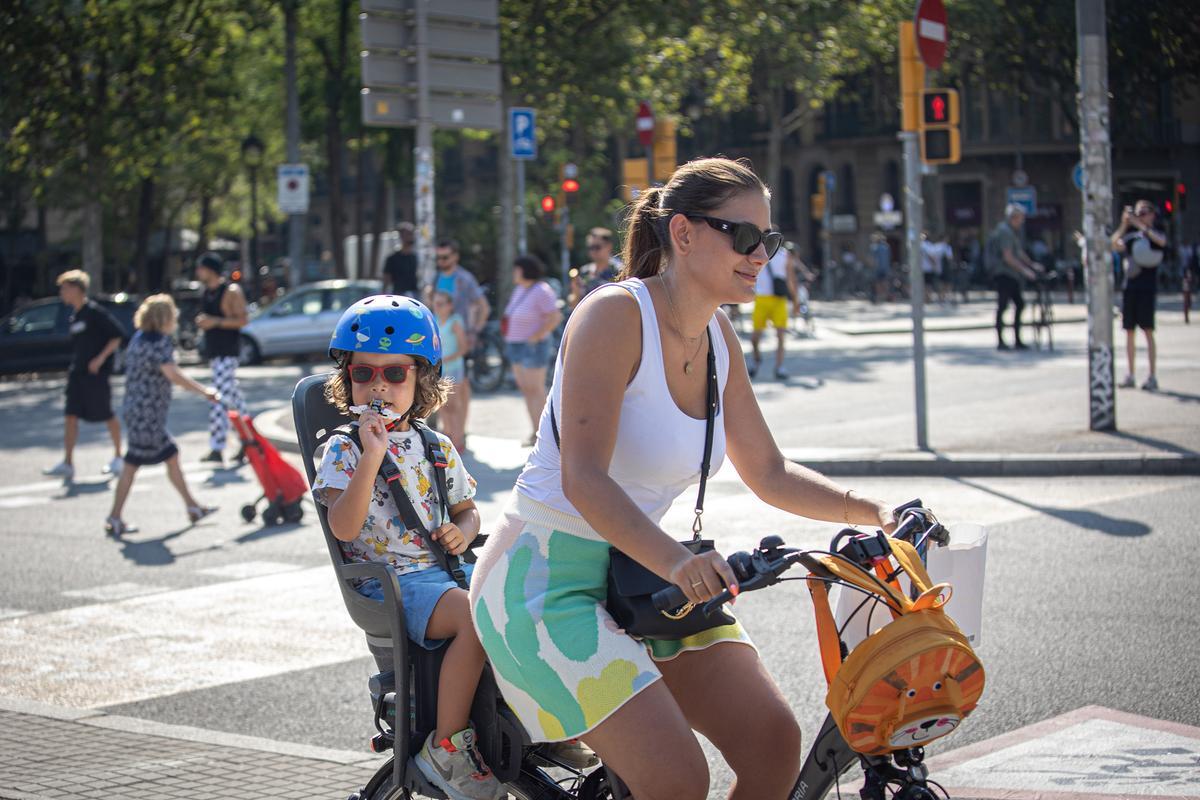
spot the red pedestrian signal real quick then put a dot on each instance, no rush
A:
(939, 107)
(548, 204)
(1168, 206)
(1181, 196)
(570, 186)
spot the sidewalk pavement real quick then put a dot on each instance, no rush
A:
(50, 752)
(847, 406)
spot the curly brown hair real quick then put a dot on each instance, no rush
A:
(432, 391)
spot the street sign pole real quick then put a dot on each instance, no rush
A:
(521, 207)
(827, 237)
(426, 222)
(1096, 158)
(914, 212)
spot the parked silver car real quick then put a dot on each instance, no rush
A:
(302, 321)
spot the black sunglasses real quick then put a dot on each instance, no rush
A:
(392, 373)
(746, 237)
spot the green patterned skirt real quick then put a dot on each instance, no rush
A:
(537, 596)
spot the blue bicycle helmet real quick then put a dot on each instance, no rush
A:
(388, 323)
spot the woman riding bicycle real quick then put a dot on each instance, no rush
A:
(628, 400)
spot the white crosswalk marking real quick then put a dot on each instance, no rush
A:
(114, 591)
(249, 569)
(171, 642)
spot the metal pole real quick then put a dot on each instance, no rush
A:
(566, 251)
(252, 273)
(827, 240)
(1096, 157)
(296, 222)
(914, 211)
(521, 207)
(423, 154)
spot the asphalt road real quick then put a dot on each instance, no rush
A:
(1090, 594)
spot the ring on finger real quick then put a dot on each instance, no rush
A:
(697, 583)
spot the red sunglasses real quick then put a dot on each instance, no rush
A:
(392, 373)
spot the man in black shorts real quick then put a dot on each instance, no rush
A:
(1141, 246)
(95, 336)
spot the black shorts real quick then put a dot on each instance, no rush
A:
(1137, 306)
(89, 397)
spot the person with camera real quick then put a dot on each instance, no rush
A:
(649, 395)
(1141, 245)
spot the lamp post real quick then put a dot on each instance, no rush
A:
(252, 153)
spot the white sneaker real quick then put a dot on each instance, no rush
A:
(114, 467)
(60, 470)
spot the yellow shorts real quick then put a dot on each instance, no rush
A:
(770, 308)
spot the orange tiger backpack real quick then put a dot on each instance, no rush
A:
(911, 681)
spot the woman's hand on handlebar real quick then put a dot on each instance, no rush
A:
(887, 517)
(703, 576)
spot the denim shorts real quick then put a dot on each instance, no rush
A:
(530, 355)
(420, 592)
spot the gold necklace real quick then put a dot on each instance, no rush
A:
(687, 365)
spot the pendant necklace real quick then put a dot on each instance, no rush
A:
(687, 365)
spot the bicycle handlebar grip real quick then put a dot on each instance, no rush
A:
(669, 598)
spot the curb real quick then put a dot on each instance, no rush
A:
(913, 464)
(99, 719)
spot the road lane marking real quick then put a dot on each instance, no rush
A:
(1089, 753)
(144, 647)
(11, 613)
(249, 569)
(115, 591)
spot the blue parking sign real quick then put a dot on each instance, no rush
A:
(522, 129)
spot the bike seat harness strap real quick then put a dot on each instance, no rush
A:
(408, 514)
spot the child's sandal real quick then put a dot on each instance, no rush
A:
(197, 513)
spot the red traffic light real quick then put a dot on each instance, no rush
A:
(548, 204)
(939, 108)
(570, 186)
(1168, 206)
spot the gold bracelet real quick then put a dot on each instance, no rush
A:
(846, 506)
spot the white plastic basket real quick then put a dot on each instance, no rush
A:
(962, 565)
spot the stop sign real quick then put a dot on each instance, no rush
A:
(930, 28)
(645, 124)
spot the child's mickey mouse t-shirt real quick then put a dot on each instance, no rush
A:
(383, 537)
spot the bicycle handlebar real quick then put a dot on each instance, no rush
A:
(763, 566)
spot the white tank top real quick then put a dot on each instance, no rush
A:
(658, 449)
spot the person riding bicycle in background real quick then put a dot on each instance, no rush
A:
(1142, 246)
(1009, 266)
(630, 408)
(392, 354)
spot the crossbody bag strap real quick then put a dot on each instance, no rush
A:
(712, 400)
(408, 513)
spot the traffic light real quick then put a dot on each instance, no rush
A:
(1181, 196)
(912, 78)
(1168, 207)
(664, 149)
(570, 186)
(940, 141)
(548, 204)
(818, 200)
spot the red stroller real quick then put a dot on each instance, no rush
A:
(283, 485)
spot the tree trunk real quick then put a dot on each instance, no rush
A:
(202, 231)
(774, 137)
(145, 220)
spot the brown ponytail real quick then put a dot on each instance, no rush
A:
(644, 250)
(697, 187)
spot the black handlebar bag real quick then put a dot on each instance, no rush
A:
(631, 585)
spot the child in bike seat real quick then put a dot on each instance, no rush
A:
(388, 354)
